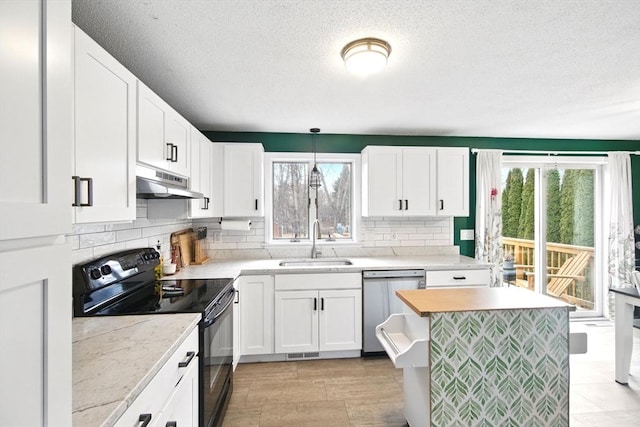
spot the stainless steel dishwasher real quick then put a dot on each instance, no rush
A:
(379, 301)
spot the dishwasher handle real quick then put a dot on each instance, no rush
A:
(393, 274)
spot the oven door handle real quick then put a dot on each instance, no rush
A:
(212, 319)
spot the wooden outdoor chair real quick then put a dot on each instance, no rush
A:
(572, 271)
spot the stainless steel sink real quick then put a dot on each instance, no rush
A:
(315, 262)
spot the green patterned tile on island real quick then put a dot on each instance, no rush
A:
(500, 368)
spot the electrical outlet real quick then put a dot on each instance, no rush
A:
(466, 235)
(217, 236)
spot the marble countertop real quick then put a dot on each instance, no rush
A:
(234, 268)
(115, 357)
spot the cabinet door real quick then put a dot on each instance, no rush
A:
(182, 406)
(36, 127)
(217, 179)
(419, 181)
(35, 336)
(256, 314)
(340, 320)
(177, 134)
(105, 139)
(151, 139)
(201, 172)
(453, 182)
(296, 321)
(382, 181)
(243, 180)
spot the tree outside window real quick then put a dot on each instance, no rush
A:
(295, 205)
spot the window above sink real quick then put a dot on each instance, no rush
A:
(291, 205)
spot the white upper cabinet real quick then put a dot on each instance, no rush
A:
(105, 135)
(415, 181)
(35, 118)
(241, 181)
(36, 131)
(398, 181)
(453, 182)
(163, 135)
(201, 174)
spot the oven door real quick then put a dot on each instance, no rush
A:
(217, 358)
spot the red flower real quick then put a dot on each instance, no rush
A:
(494, 193)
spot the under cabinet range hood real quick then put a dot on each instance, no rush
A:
(155, 184)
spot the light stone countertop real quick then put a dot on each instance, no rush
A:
(115, 357)
(234, 268)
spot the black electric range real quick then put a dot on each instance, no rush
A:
(124, 283)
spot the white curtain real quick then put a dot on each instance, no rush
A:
(489, 212)
(621, 259)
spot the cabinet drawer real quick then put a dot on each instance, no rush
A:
(152, 399)
(444, 278)
(284, 282)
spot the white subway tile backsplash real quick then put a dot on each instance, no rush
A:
(74, 241)
(98, 251)
(130, 234)
(379, 236)
(97, 239)
(139, 243)
(81, 255)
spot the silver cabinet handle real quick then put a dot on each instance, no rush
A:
(78, 190)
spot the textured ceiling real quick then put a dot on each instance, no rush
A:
(500, 68)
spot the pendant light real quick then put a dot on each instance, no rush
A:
(314, 176)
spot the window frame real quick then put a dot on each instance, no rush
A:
(353, 159)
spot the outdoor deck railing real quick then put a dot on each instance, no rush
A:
(580, 292)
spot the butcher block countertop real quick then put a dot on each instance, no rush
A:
(427, 301)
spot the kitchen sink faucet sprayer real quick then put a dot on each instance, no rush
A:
(315, 230)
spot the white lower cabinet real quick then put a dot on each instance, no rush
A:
(172, 394)
(182, 407)
(256, 314)
(456, 278)
(35, 336)
(324, 314)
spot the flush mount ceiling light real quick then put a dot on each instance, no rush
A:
(366, 56)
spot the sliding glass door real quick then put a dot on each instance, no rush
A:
(551, 214)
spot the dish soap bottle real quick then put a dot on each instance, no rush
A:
(158, 269)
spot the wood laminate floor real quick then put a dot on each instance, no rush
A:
(368, 392)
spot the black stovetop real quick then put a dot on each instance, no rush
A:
(124, 283)
(172, 296)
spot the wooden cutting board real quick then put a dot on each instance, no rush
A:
(186, 248)
(182, 245)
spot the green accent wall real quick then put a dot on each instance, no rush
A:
(341, 143)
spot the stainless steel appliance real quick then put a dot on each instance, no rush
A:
(124, 283)
(379, 301)
(156, 184)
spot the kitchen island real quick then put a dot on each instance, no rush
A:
(481, 356)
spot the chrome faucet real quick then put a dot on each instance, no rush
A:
(315, 231)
